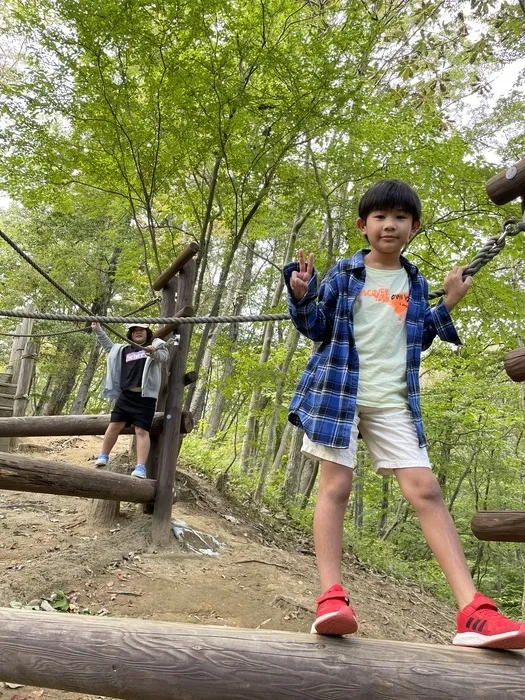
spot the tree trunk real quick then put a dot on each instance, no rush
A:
(283, 444)
(294, 464)
(67, 373)
(312, 477)
(249, 439)
(215, 417)
(358, 490)
(197, 404)
(42, 399)
(385, 493)
(269, 452)
(82, 396)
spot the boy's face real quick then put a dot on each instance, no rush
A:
(388, 230)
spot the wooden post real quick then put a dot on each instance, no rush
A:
(25, 330)
(9, 368)
(147, 660)
(170, 440)
(23, 386)
(168, 308)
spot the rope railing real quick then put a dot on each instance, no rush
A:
(491, 248)
(164, 320)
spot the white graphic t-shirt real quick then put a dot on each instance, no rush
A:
(381, 338)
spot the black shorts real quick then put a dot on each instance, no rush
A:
(134, 409)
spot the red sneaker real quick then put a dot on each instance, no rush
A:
(334, 614)
(480, 624)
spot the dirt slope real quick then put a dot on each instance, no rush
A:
(259, 579)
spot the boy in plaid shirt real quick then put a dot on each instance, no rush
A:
(373, 320)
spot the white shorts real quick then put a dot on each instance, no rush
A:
(389, 434)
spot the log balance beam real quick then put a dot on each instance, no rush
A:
(21, 473)
(42, 426)
(145, 660)
(499, 526)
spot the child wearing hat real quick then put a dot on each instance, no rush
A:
(133, 377)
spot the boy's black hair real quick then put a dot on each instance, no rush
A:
(149, 335)
(390, 194)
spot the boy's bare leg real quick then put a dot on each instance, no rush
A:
(111, 435)
(334, 489)
(421, 488)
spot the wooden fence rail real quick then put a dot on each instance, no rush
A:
(35, 426)
(145, 660)
(21, 473)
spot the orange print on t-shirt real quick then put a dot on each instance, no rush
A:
(399, 302)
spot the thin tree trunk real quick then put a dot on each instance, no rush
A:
(44, 396)
(217, 408)
(82, 396)
(294, 464)
(283, 444)
(197, 404)
(385, 493)
(269, 451)
(226, 270)
(249, 440)
(98, 308)
(358, 491)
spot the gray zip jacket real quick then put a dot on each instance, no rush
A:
(151, 377)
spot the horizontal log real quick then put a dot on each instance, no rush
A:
(507, 185)
(145, 660)
(187, 254)
(190, 377)
(499, 526)
(20, 473)
(38, 426)
(515, 364)
(168, 328)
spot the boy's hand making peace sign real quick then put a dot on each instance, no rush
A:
(299, 280)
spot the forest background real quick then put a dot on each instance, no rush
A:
(129, 129)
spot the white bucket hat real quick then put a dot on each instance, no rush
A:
(137, 325)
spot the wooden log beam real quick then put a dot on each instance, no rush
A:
(515, 364)
(145, 660)
(21, 473)
(507, 185)
(168, 328)
(499, 526)
(176, 266)
(35, 426)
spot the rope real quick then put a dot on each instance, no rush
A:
(76, 330)
(61, 289)
(164, 320)
(492, 247)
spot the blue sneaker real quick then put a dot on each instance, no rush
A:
(102, 460)
(140, 472)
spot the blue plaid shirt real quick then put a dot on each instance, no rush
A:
(324, 403)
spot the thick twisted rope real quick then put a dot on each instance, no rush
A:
(492, 247)
(61, 289)
(164, 320)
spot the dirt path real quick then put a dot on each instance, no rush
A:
(258, 580)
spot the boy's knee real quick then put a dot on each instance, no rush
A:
(422, 490)
(337, 489)
(140, 432)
